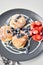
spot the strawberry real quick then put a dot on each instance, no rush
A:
(38, 23)
(33, 37)
(35, 31)
(32, 25)
(40, 28)
(38, 37)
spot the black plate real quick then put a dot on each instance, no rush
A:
(35, 47)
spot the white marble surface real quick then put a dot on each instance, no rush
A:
(34, 5)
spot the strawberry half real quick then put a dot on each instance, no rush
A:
(38, 23)
(38, 37)
(35, 31)
(32, 25)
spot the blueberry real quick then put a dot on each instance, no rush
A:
(8, 31)
(18, 32)
(18, 16)
(13, 33)
(18, 29)
(18, 35)
(12, 29)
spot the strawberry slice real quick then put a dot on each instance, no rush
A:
(40, 28)
(38, 37)
(32, 25)
(37, 28)
(38, 23)
(35, 31)
(33, 37)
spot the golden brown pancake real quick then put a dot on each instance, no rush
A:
(17, 23)
(4, 35)
(19, 42)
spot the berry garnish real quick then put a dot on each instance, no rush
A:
(8, 31)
